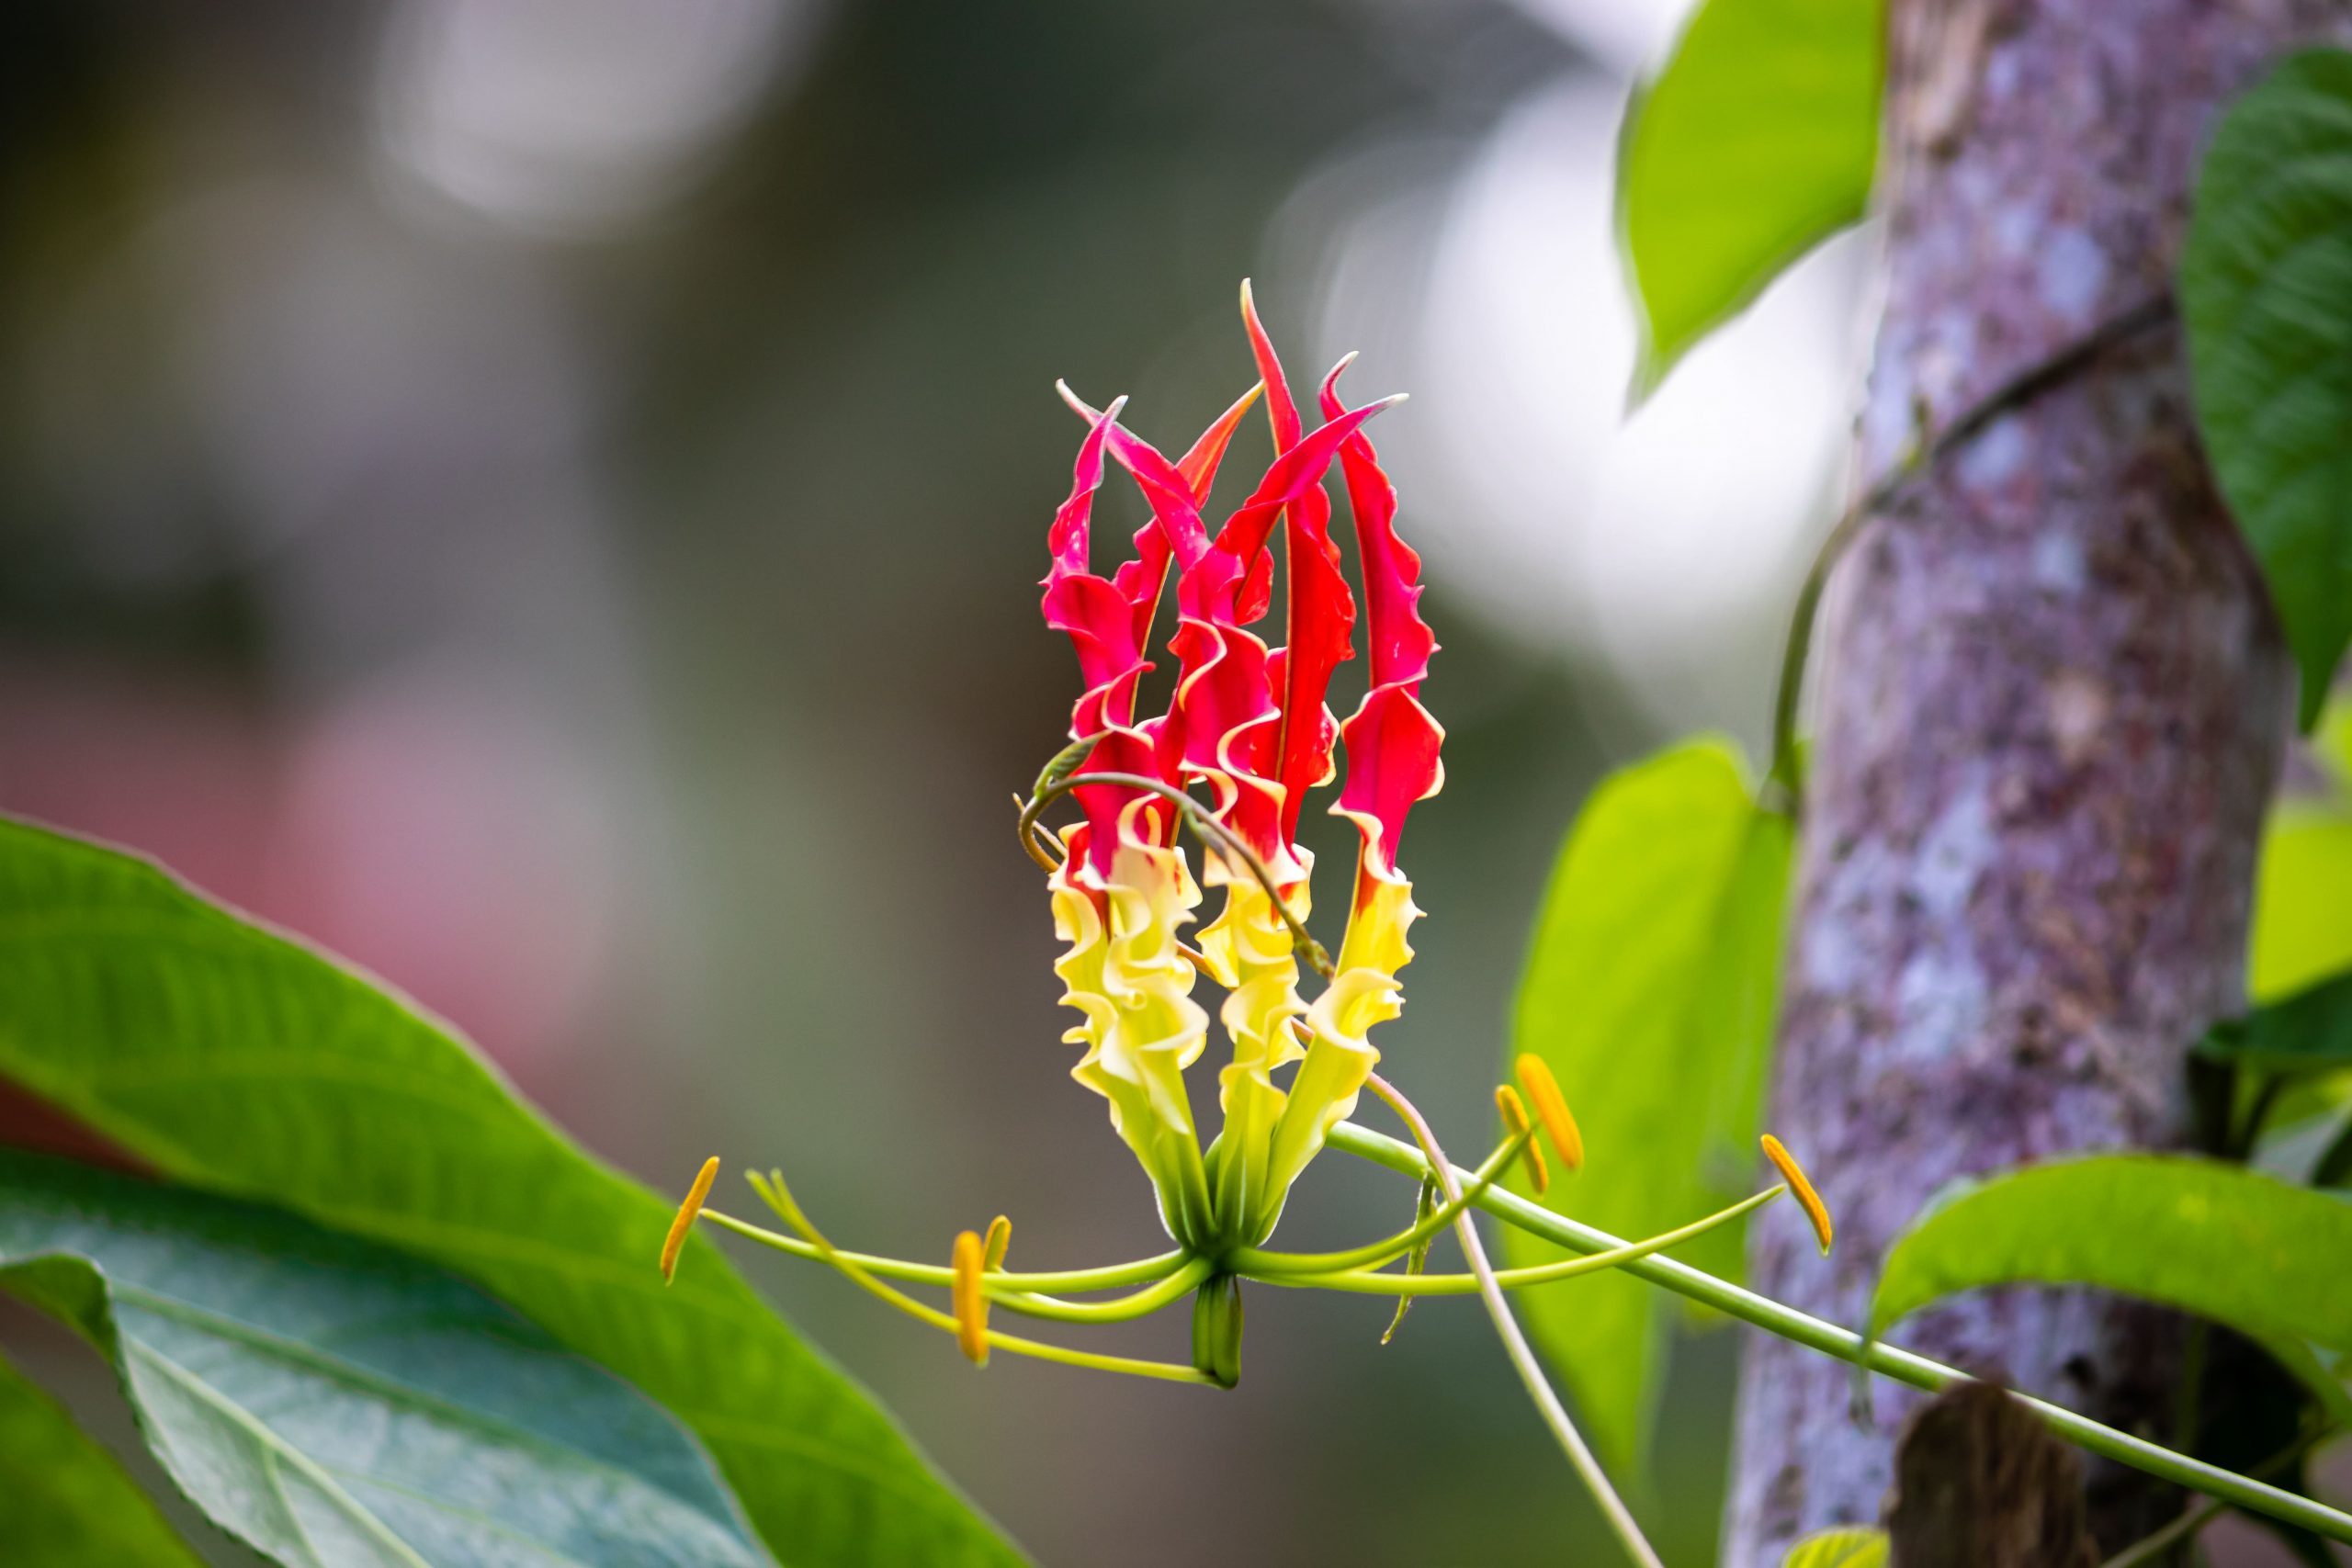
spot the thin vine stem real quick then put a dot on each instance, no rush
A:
(1274, 1267)
(779, 1198)
(1872, 1355)
(1925, 454)
(1522, 1357)
(1366, 1282)
(2152, 1547)
(1142, 1271)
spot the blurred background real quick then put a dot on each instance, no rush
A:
(545, 497)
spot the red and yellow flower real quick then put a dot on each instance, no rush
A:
(1249, 722)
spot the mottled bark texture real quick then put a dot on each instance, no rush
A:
(1981, 1483)
(2051, 704)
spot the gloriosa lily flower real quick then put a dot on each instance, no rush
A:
(1248, 725)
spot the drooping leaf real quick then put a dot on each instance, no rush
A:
(235, 1059)
(2265, 275)
(65, 1503)
(1756, 140)
(1838, 1549)
(1650, 990)
(2250, 1252)
(2303, 886)
(336, 1404)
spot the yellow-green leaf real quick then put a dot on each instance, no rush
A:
(1756, 140)
(2247, 1250)
(1840, 1549)
(1650, 991)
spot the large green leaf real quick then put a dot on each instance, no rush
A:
(235, 1059)
(1650, 991)
(2247, 1250)
(2266, 289)
(1756, 140)
(337, 1405)
(65, 1503)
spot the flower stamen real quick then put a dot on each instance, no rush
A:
(676, 1240)
(1514, 1109)
(971, 1302)
(1793, 1174)
(1551, 1108)
(996, 1244)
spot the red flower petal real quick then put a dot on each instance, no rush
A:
(1392, 741)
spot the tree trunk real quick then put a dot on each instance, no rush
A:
(2051, 706)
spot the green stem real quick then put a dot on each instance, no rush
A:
(779, 1197)
(1925, 452)
(2152, 1548)
(1268, 1266)
(1873, 1355)
(1122, 1309)
(1523, 1358)
(1142, 1271)
(1364, 1282)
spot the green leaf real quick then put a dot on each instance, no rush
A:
(235, 1059)
(1650, 991)
(65, 1503)
(2247, 1250)
(2265, 290)
(2303, 901)
(2303, 886)
(1756, 140)
(1840, 1549)
(2310, 1031)
(336, 1404)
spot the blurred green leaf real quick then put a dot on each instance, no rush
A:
(65, 1502)
(2303, 901)
(2303, 886)
(1758, 140)
(1840, 1549)
(336, 1404)
(2310, 1031)
(2265, 289)
(2247, 1250)
(1650, 991)
(235, 1059)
